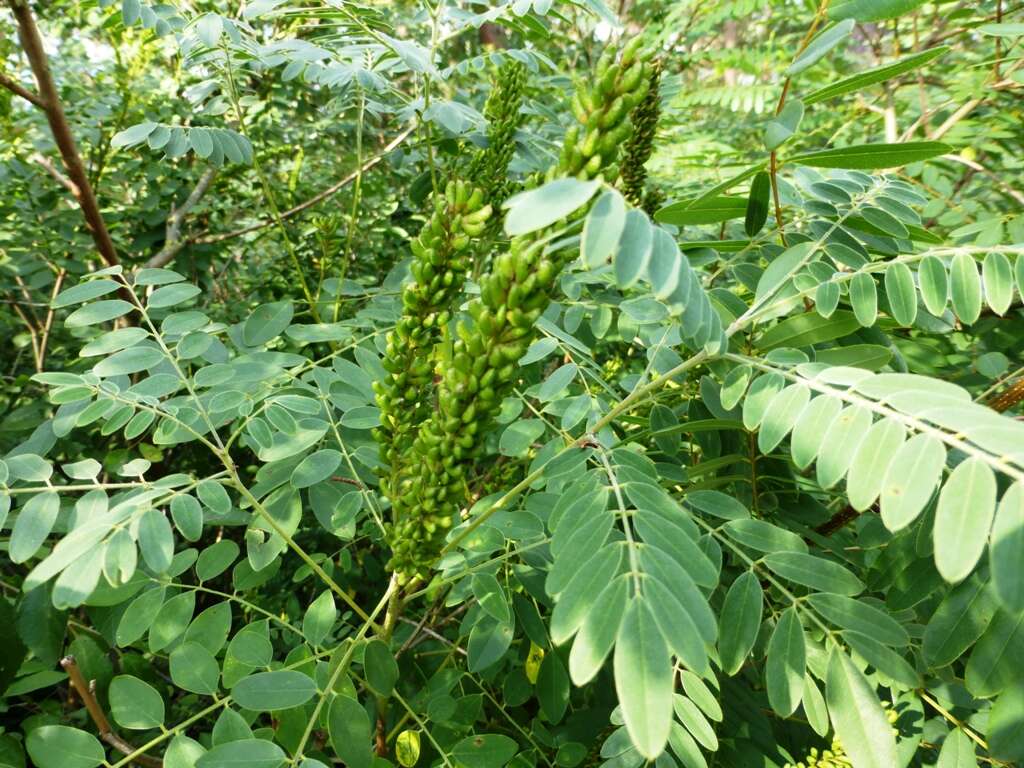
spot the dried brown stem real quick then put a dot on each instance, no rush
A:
(839, 520)
(99, 717)
(1008, 398)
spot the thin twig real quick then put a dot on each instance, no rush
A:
(317, 198)
(99, 717)
(19, 90)
(32, 333)
(44, 336)
(979, 168)
(431, 633)
(173, 241)
(59, 177)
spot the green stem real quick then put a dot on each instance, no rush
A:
(314, 566)
(340, 670)
(275, 210)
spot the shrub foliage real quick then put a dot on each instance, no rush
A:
(629, 386)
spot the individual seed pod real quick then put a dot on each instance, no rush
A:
(575, 159)
(632, 76)
(572, 134)
(479, 216)
(632, 49)
(586, 99)
(614, 113)
(606, 82)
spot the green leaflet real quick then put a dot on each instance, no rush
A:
(934, 282)
(965, 288)
(857, 714)
(815, 572)
(643, 679)
(872, 10)
(864, 298)
(963, 518)
(702, 211)
(860, 616)
(757, 204)
(877, 75)
(349, 729)
(808, 329)
(901, 293)
(597, 634)
(1007, 548)
(840, 443)
(193, 668)
(539, 208)
(910, 480)
(740, 620)
(994, 663)
(819, 47)
(957, 751)
(781, 415)
(997, 277)
(871, 462)
(257, 753)
(872, 156)
(134, 704)
(958, 622)
(59, 746)
(787, 658)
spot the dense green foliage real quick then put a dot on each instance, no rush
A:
(527, 385)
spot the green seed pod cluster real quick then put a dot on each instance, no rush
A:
(653, 200)
(490, 165)
(441, 258)
(488, 344)
(638, 150)
(829, 758)
(835, 756)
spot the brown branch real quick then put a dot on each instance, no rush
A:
(19, 90)
(1008, 398)
(317, 198)
(99, 717)
(32, 44)
(839, 520)
(173, 241)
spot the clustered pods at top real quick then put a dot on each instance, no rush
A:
(441, 257)
(638, 149)
(431, 486)
(503, 115)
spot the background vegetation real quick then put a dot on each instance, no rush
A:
(530, 384)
